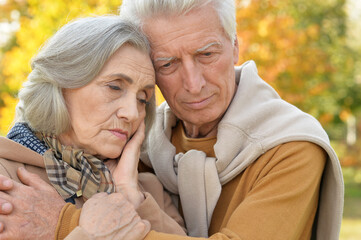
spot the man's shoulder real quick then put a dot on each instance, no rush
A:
(302, 154)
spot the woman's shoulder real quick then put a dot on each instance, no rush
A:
(16, 152)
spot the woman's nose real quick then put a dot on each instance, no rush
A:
(129, 109)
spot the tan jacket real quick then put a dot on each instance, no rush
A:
(157, 208)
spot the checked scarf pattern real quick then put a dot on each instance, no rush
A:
(71, 171)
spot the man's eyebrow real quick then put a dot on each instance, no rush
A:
(166, 59)
(207, 46)
(169, 59)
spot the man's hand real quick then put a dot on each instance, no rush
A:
(5, 207)
(112, 217)
(34, 208)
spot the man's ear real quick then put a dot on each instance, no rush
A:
(235, 51)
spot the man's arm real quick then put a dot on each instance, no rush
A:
(32, 214)
(31, 211)
(280, 197)
(289, 180)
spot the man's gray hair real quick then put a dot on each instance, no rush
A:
(140, 10)
(72, 58)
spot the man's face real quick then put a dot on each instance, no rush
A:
(193, 60)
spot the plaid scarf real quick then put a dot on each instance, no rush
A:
(71, 171)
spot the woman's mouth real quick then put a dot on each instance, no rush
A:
(120, 134)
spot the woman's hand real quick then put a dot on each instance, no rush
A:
(125, 171)
(123, 222)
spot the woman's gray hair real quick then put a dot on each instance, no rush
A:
(72, 58)
(138, 11)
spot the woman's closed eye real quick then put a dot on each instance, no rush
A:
(114, 87)
(143, 101)
(115, 90)
(142, 98)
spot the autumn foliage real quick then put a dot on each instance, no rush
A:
(299, 47)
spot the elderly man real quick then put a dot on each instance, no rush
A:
(241, 162)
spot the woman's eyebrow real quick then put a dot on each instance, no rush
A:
(122, 76)
(128, 79)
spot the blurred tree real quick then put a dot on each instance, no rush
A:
(39, 19)
(299, 46)
(300, 49)
(9, 16)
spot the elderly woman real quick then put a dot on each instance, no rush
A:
(80, 123)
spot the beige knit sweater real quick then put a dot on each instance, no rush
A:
(256, 122)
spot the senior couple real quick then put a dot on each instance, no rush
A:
(223, 158)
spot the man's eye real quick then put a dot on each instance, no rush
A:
(166, 65)
(207, 54)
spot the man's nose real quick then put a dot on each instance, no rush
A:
(193, 80)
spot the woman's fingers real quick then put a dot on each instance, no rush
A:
(125, 173)
(128, 163)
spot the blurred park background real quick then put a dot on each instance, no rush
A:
(309, 51)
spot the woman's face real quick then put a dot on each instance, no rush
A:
(105, 113)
